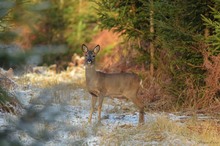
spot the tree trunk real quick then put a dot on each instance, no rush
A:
(152, 49)
(206, 30)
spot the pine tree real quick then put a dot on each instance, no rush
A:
(135, 20)
(213, 25)
(178, 30)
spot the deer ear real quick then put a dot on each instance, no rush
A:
(84, 48)
(96, 49)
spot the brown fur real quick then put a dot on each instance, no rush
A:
(100, 85)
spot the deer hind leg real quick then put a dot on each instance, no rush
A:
(141, 115)
(140, 105)
(100, 108)
(94, 99)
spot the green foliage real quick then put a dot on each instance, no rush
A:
(81, 24)
(48, 22)
(5, 34)
(130, 18)
(17, 19)
(49, 29)
(67, 22)
(14, 13)
(179, 31)
(3, 95)
(214, 39)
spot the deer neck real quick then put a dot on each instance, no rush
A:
(90, 73)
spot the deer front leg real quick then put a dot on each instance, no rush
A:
(141, 115)
(94, 99)
(100, 108)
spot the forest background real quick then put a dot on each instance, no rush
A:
(173, 45)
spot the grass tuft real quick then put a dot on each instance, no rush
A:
(165, 131)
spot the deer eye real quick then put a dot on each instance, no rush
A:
(93, 56)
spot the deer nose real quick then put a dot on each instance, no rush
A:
(89, 61)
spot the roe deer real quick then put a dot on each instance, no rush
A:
(100, 84)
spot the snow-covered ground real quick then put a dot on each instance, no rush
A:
(57, 114)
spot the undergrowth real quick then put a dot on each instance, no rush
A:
(172, 87)
(3, 95)
(166, 132)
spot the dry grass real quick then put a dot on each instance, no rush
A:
(165, 132)
(212, 90)
(154, 94)
(67, 88)
(203, 98)
(48, 79)
(205, 132)
(64, 88)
